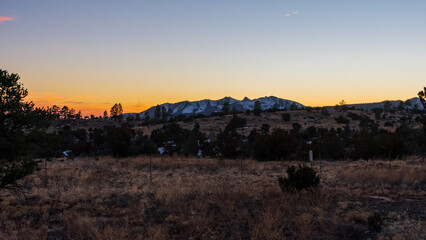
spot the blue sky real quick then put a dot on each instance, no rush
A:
(91, 54)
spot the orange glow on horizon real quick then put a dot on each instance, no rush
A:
(89, 104)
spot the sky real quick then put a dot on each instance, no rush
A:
(90, 54)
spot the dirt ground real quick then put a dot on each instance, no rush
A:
(191, 198)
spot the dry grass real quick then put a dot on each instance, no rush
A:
(212, 199)
(388, 173)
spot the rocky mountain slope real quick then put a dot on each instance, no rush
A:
(207, 107)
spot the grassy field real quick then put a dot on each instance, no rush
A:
(191, 198)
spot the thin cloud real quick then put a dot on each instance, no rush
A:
(291, 13)
(45, 98)
(7, 19)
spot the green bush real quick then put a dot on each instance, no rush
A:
(298, 179)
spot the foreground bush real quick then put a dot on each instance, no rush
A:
(298, 179)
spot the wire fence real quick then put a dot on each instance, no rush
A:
(155, 168)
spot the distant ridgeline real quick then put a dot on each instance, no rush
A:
(207, 107)
(412, 103)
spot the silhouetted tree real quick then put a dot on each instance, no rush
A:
(56, 111)
(64, 111)
(18, 119)
(422, 97)
(78, 115)
(265, 128)
(275, 107)
(157, 112)
(236, 122)
(71, 113)
(257, 109)
(401, 106)
(163, 113)
(116, 111)
(225, 108)
(407, 103)
(105, 114)
(387, 106)
(169, 113)
(119, 140)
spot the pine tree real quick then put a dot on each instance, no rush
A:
(157, 112)
(116, 111)
(293, 106)
(422, 97)
(226, 108)
(257, 109)
(64, 111)
(163, 114)
(18, 119)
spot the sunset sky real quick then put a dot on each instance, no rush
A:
(90, 54)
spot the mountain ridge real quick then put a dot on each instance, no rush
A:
(208, 107)
(393, 103)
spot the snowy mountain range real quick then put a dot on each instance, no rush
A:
(207, 107)
(414, 103)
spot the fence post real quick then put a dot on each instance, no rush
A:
(150, 169)
(45, 174)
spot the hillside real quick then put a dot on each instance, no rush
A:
(317, 118)
(409, 103)
(207, 107)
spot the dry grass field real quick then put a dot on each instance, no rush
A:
(191, 198)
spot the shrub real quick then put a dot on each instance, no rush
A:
(375, 222)
(236, 122)
(342, 119)
(286, 117)
(388, 124)
(298, 179)
(353, 116)
(325, 112)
